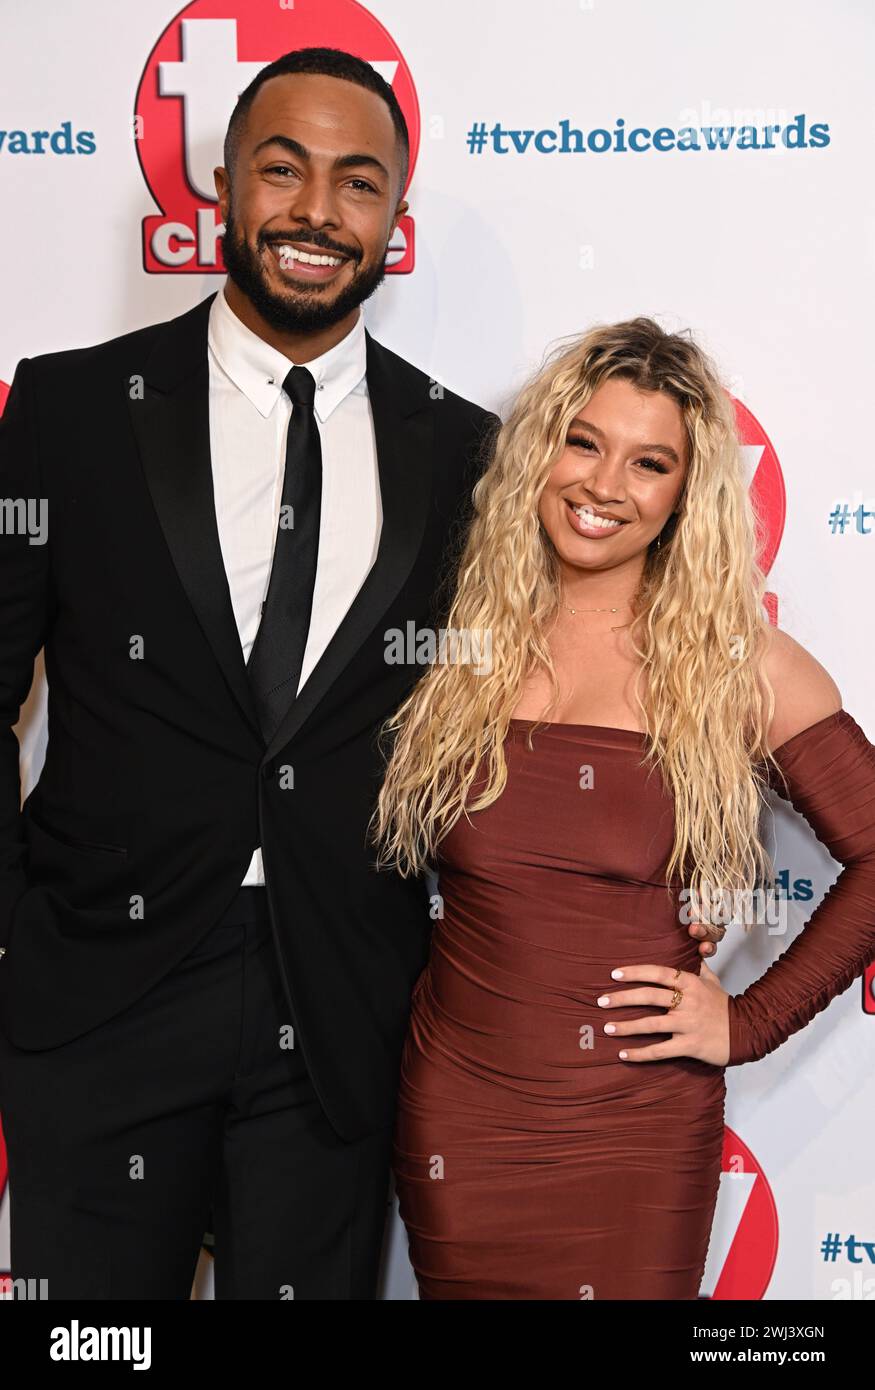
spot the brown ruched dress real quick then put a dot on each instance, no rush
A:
(530, 1161)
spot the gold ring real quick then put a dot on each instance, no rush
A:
(678, 994)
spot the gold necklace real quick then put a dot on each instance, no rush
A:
(592, 610)
(613, 628)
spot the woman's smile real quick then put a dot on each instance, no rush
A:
(585, 522)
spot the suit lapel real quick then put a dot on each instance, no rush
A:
(172, 427)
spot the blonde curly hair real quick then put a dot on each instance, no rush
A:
(699, 627)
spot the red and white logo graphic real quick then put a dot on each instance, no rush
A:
(202, 62)
(766, 491)
(5, 1272)
(744, 1237)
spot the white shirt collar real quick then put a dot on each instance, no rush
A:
(259, 370)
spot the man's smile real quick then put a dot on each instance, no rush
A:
(303, 261)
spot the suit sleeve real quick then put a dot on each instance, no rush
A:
(479, 456)
(830, 772)
(476, 453)
(24, 605)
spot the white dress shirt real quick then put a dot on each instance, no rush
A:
(249, 419)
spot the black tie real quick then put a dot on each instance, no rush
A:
(274, 666)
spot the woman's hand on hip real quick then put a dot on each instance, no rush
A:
(698, 1025)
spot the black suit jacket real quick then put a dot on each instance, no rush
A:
(157, 784)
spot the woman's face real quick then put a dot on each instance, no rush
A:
(625, 455)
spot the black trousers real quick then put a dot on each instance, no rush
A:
(123, 1142)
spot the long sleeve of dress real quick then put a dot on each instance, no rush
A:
(830, 772)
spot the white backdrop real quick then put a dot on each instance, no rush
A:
(766, 253)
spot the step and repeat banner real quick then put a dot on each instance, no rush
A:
(571, 163)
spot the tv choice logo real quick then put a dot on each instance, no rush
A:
(767, 490)
(869, 989)
(743, 1246)
(5, 1272)
(203, 59)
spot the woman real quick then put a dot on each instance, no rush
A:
(559, 1135)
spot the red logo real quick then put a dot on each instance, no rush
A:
(869, 989)
(202, 62)
(766, 491)
(744, 1237)
(5, 1274)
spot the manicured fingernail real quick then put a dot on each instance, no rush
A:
(616, 975)
(605, 999)
(624, 1055)
(610, 1027)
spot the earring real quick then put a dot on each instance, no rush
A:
(659, 541)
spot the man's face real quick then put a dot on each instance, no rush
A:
(316, 175)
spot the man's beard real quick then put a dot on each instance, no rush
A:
(295, 312)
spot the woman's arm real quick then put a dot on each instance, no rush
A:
(829, 765)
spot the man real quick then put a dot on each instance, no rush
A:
(205, 984)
